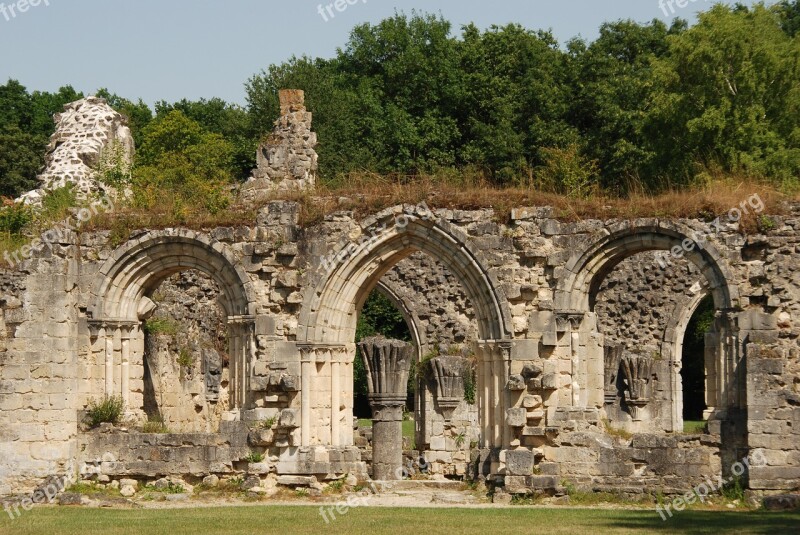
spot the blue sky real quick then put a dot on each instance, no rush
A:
(173, 49)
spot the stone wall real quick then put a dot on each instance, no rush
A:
(89, 134)
(286, 158)
(290, 297)
(186, 369)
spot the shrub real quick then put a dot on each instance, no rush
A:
(14, 217)
(185, 358)
(108, 410)
(567, 171)
(58, 203)
(161, 326)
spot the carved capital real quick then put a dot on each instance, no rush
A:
(567, 320)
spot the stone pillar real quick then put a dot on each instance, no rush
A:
(388, 363)
(307, 359)
(109, 332)
(241, 346)
(125, 373)
(336, 401)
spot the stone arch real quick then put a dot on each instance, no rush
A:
(585, 271)
(119, 305)
(327, 326)
(142, 264)
(673, 347)
(330, 314)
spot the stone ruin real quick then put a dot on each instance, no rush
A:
(572, 334)
(87, 131)
(286, 158)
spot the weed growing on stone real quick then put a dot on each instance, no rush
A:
(155, 425)
(158, 326)
(108, 410)
(254, 457)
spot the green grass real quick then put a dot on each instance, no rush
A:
(695, 428)
(408, 427)
(374, 521)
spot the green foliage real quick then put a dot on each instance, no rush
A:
(789, 14)
(57, 204)
(695, 427)
(728, 96)
(733, 489)
(157, 326)
(470, 381)
(21, 159)
(765, 223)
(156, 425)
(267, 423)
(230, 121)
(644, 107)
(114, 168)
(181, 161)
(14, 217)
(254, 457)
(108, 410)
(26, 124)
(567, 171)
(335, 487)
(185, 358)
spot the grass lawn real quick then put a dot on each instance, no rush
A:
(408, 427)
(374, 521)
(694, 428)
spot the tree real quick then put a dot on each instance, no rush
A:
(615, 85)
(229, 121)
(181, 161)
(730, 97)
(21, 159)
(789, 13)
(26, 124)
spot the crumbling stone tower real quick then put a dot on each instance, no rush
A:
(286, 158)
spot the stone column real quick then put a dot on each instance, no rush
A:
(336, 401)
(241, 347)
(125, 373)
(307, 359)
(388, 363)
(109, 332)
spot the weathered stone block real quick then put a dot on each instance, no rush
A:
(516, 417)
(519, 462)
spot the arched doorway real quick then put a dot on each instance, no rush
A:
(578, 289)
(328, 321)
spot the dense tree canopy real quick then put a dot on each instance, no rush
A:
(643, 106)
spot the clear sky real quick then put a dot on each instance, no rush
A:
(173, 49)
